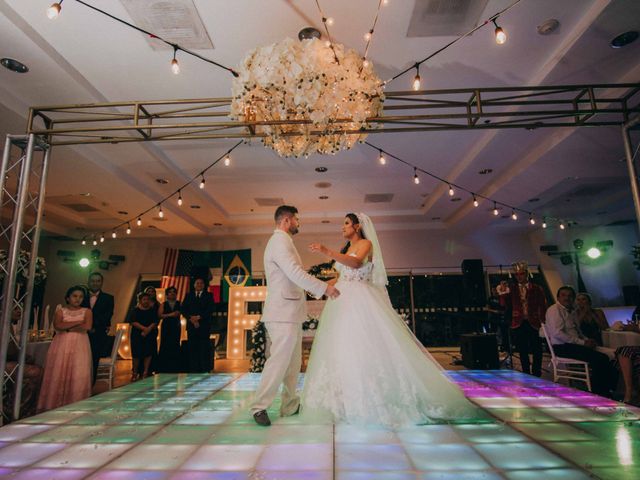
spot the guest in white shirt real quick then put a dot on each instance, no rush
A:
(562, 328)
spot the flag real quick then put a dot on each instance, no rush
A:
(176, 270)
(237, 270)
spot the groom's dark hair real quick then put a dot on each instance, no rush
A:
(284, 211)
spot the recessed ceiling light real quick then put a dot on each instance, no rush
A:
(321, 169)
(485, 171)
(326, 221)
(122, 212)
(162, 181)
(217, 224)
(435, 218)
(455, 199)
(505, 216)
(322, 185)
(14, 65)
(623, 39)
(323, 197)
(534, 200)
(85, 194)
(194, 206)
(548, 26)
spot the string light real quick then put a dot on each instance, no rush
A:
(114, 234)
(95, 242)
(368, 35)
(175, 66)
(179, 198)
(532, 220)
(329, 21)
(84, 241)
(514, 215)
(416, 79)
(54, 10)
(227, 160)
(561, 225)
(102, 238)
(495, 209)
(365, 62)
(544, 223)
(501, 37)
(475, 201)
(139, 222)
(128, 228)
(381, 159)
(416, 178)
(160, 212)
(451, 191)
(202, 182)
(385, 2)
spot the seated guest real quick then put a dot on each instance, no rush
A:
(169, 313)
(67, 372)
(144, 335)
(526, 305)
(591, 321)
(197, 309)
(629, 361)
(567, 341)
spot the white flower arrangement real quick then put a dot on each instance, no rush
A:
(292, 80)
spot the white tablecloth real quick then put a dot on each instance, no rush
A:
(614, 339)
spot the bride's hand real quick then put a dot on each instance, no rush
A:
(318, 248)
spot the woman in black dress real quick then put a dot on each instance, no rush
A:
(144, 333)
(169, 313)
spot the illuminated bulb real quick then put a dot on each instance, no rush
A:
(179, 199)
(501, 37)
(139, 222)
(475, 201)
(237, 322)
(514, 215)
(329, 21)
(381, 159)
(202, 182)
(416, 178)
(236, 341)
(126, 348)
(416, 82)
(367, 36)
(451, 191)
(175, 67)
(84, 242)
(128, 229)
(532, 220)
(160, 212)
(235, 350)
(102, 238)
(95, 242)
(561, 226)
(365, 63)
(114, 234)
(54, 10)
(495, 209)
(544, 223)
(227, 161)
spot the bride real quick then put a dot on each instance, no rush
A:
(366, 366)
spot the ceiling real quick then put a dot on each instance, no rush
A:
(83, 57)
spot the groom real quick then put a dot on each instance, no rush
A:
(283, 314)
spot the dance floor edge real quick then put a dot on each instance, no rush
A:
(198, 426)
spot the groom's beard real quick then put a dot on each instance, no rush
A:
(293, 230)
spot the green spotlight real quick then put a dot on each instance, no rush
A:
(84, 262)
(594, 252)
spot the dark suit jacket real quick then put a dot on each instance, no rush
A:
(202, 306)
(102, 311)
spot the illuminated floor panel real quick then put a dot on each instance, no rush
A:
(190, 427)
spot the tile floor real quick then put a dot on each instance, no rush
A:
(197, 427)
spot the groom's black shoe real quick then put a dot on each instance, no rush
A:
(262, 418)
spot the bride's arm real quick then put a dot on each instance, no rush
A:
(363, 251)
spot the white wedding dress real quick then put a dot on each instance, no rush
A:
(366, 366)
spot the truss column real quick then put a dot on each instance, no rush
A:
(631, 169)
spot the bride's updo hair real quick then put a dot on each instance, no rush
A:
(355, 221)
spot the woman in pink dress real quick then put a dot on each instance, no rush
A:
(67, 373)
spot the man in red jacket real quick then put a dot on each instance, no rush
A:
(526, 303)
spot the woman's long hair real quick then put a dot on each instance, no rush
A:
(354, 220)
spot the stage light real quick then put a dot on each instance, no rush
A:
(594, 252)
(84, 262)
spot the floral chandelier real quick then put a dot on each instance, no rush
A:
(326, 87)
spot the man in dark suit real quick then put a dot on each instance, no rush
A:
(197, 308)
(101, 305)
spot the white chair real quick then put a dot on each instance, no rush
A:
(569, 368)
(107, 365)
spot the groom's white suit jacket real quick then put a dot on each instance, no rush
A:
(286, 281)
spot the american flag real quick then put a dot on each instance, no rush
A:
(176, 270)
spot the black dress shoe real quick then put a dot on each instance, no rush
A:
(262, 418)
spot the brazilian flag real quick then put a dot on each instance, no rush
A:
(236, 265)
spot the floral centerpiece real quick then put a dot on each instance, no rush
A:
(325, 89)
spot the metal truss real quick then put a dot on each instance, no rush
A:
(426, 110)
(23, 176)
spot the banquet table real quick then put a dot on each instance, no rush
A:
(38, 351)
(615, 339)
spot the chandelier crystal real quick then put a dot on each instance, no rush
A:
(318, 95)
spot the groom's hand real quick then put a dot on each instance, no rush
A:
(332, 292)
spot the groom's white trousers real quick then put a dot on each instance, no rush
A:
(284, 357)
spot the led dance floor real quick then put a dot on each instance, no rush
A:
(198, 427)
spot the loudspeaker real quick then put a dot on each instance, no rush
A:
(631, 294)
(473, 285)
(479, 351)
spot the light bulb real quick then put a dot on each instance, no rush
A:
(102, 238)
(561, 226)
(365, 63)
(175, 66)
(544, 224)
(227, 160)
(381, 159)
(160, 212)
(416, 82)
(367, 36)
(501, 37)
(329, 21)
(128, 229)
(475, 201)
(84, 241)
(202, 183)
(416, 178)
(495, 209)
(95, 242)
(114, 234)
(451, 191)
(139, 222)
(54, 10)
(514, 216)
(532, 220)
(179, 199)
